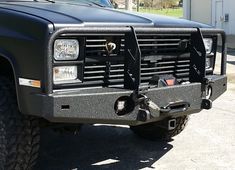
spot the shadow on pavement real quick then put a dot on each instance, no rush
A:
(94, 147)
(231, 62)
(231, 51)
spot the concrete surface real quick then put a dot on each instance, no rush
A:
(208, 143)
(231, 41)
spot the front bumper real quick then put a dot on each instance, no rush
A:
(97, 105)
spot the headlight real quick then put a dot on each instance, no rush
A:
(63, 74)
(208, 42)
(66, 49)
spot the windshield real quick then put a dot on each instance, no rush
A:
(104, 3)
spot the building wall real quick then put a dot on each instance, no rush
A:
(204, 11)
(201, 11)
(229, 8)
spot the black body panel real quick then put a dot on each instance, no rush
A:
(62, 14)
(24, 42)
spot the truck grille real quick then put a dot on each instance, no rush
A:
(151, 44)
(160, 55)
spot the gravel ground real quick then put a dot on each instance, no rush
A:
(208, 143)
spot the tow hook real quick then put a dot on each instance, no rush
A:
(147, 109)
(171, 124)
(154, 108)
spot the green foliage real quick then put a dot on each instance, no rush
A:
(159, 3)
(177, 12)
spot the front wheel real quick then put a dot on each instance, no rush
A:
(19, 134)
(159, 130)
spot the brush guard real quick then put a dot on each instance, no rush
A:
(145, 100)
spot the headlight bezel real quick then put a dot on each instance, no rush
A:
(69, 42)
(78, 62)
(211, 54)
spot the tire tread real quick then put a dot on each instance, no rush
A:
(158, 130)
(19, 134)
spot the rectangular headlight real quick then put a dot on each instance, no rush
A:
(208, 42)
(66, 49)
(65, 74)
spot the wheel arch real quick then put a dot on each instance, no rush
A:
(8, 68)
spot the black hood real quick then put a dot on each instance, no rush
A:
(61, 14)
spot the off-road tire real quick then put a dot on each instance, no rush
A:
(159, 131)
(19, 134)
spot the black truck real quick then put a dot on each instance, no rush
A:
(65, 63)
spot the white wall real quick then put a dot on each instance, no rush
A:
(198, 10)
(201, 11)
(204, 11)
(229, 8)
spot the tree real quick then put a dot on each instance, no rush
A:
(170, 3)
(159, 3)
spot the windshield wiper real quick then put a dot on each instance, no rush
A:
(90, 2)
(52, 1)
(95, 3)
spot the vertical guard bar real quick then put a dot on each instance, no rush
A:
(132, 65)
(224, 54)
(198, 57)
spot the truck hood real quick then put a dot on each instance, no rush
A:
(64, 14)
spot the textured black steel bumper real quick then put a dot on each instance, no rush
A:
(97, 105)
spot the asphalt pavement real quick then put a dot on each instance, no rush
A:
(207, 143)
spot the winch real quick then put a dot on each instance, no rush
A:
(148, 109)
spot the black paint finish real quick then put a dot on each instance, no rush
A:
(27, 34)
(62, 14)
(97, 105)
